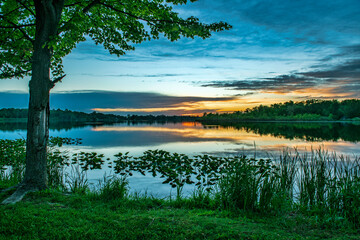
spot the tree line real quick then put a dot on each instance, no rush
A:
(58, 115)
(309, 110)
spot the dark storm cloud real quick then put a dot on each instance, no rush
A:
(104, 99)
(351, 51)
(283, 83)
(343, 78)
(338, 73)
(349, 69)
(87, 100)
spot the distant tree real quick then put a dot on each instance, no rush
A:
(307, 110)
(36, 35)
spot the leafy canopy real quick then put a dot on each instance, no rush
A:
(116, 24)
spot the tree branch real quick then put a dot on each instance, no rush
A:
(88, 7)
(18, 26)
(21, 30)
(14, 74)
(22, 4)
(6, 14)
(56, 80)
(129, 14)
(73, 4)
(85, 10)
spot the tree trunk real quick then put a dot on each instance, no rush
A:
(38, 115)
(48, 13)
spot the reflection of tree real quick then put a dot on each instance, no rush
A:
(16, 126)
(12, 127)
(304, 131)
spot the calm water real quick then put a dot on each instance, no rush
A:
(195, 138)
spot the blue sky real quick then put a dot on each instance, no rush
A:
(277, 51)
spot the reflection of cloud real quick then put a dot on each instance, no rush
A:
(236, 141)
(195, 132)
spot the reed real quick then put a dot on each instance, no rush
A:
(112, 188)
(315, 182)
(76, 180)
(251, 185)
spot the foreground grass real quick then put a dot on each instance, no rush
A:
(54, 215)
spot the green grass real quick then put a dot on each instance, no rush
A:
(313, 195)
(53, 215)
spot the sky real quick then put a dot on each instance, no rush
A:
(277, 51)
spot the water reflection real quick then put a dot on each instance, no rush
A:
(309, 131)
(194, 138)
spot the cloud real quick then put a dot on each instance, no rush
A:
(337, 76)
(351, 51)
(118, 102)
(349, 69)
(258, 25)
(283, 83)
(104, 99)
(280, 22)
(320, 21)
(165, 75)
(13, 99)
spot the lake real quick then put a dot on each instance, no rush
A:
(192, 138)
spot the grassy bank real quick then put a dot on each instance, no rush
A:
(312, 195)
(54, 215)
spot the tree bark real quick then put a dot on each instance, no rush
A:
(48, 14)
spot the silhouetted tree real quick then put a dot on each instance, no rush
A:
(36, 35)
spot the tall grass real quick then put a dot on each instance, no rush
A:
(76, 180)
(329, 184)
(112, 188)
(314, 182)
(252, 184)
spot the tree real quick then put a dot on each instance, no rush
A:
(36, 35)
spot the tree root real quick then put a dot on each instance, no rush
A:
(9, 189)
(18, 195)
